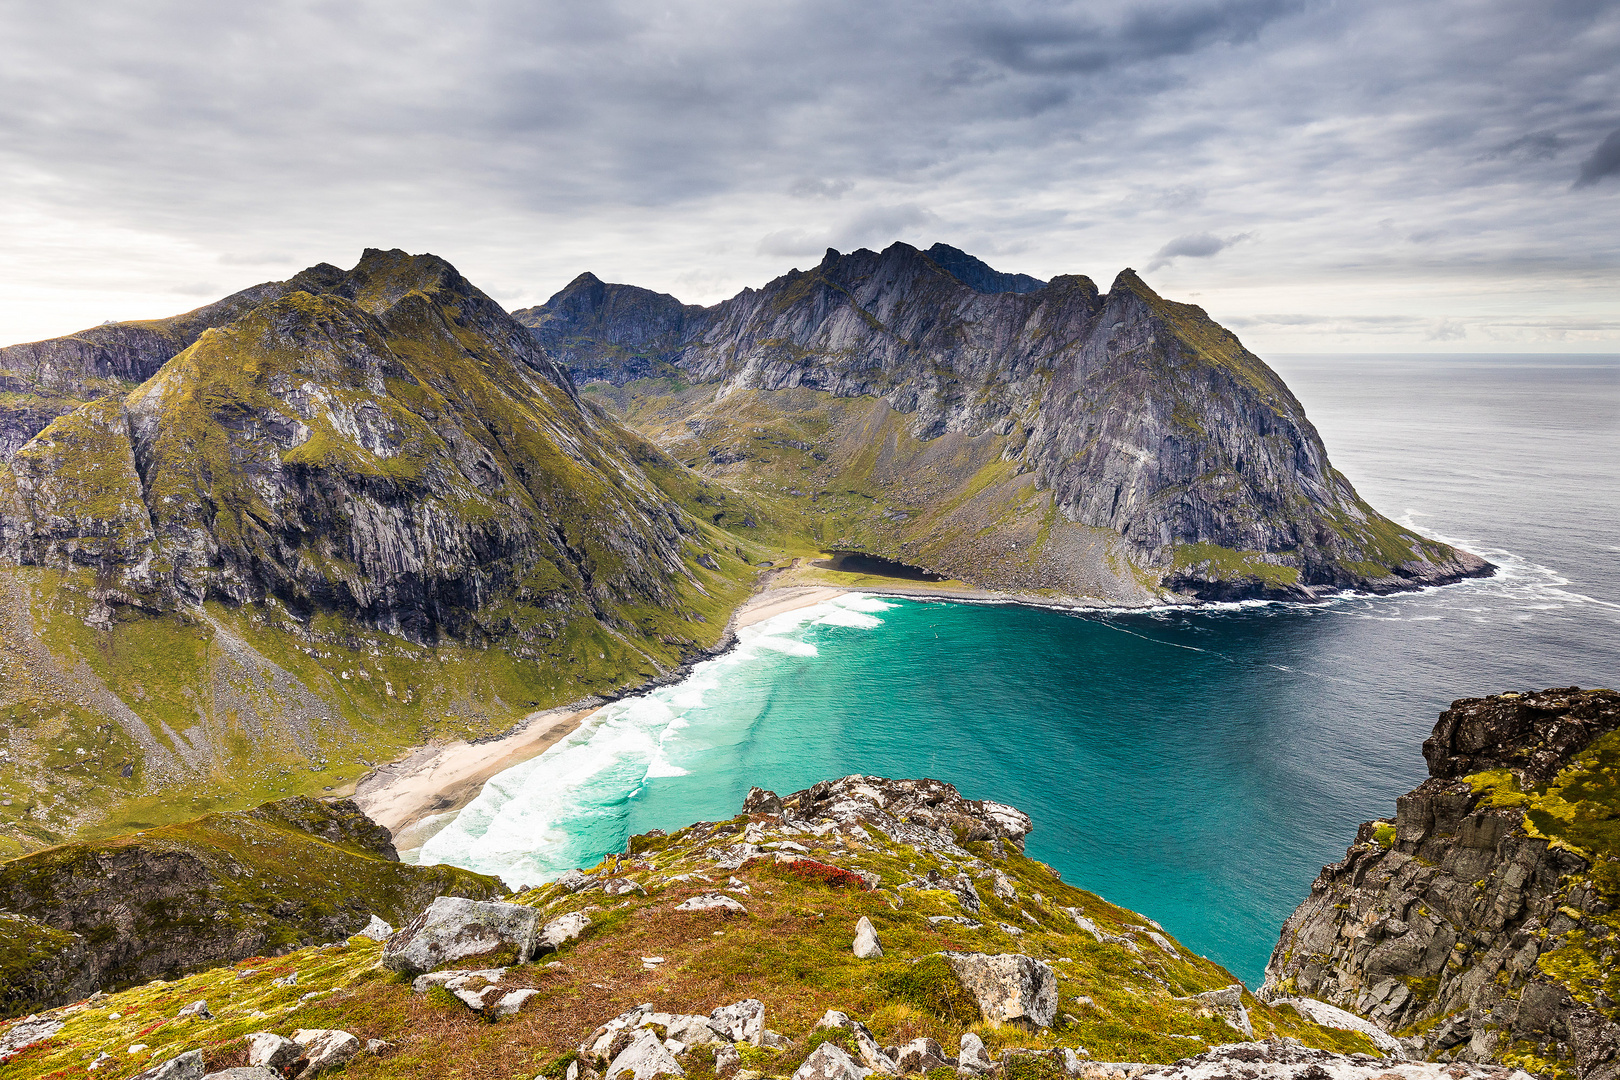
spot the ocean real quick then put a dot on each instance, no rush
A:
(1198, 766)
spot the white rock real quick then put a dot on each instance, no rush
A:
(187, 1066)
(453, 927)
(511, 1003)
(1008, 986)
(829, 1062)
(871, 1054)
(742, 1022)
(456, 979)
(712, 901)
(919, 1055)
(272, 1051)
(196, 1008)
(643, 1059)
(376, 930)
(1073, 1063)
(726, 1060)
(563, 928)
(326, 1048)
(973, 1058)
(866, 940)
(1332, 1016)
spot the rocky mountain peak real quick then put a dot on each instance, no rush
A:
(978, 275)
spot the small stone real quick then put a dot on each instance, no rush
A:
(377, 1046)
(325, 1048)
(918, 1056)
(712, 902)
(198, 1009)
(512, 1002)
(726, 1060)
(974, 1059)
(562, 929)
(376, 930)
(643, 1059)
(273, 1051)
(867, 946)
(187, 1066)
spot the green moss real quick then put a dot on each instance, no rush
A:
(1225, 564)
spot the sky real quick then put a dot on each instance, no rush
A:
(1320, 175)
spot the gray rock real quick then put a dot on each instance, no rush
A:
(1009, 987)
(712, 902)
(187, 1066)
(198, 1009)
(866, 940)
(510, 1004)
(761, 801)
(742, 1022)
(1320, 1012)
(376, 930)
(272, 1051)
(245, 1072)
(452, 928)
(326, 1048)
(974, 1059)
(577, 881)
(1227, 1003)
(26, 1033)
(830, 1062)
(643, 1059)
(1074, 1064)
(563, 928)
(726, 1060)
(871, 1054)
(456, 979)
(919, 1055)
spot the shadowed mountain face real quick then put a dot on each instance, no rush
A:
(384, 443)
(1116, 445)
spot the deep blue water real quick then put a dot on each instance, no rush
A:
(1197, 766)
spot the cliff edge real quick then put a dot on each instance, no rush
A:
(1480, 924)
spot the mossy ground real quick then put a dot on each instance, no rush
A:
(792, 951)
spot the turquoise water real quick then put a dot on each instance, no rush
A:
(1197, 766)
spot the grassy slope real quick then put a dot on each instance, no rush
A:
(791, 951)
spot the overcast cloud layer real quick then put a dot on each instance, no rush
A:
(1322, 176)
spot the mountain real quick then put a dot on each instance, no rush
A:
(1060, 441)
(349, 511)
(978, 275)
(1480, 923)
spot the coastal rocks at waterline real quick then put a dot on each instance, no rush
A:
(1480, 924)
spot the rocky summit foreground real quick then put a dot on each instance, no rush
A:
(860, 926)
(1482, 923)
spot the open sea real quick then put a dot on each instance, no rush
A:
(1198, 766)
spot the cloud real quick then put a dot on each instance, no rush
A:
(698, 146)
(1195, 246)
(1605, 161)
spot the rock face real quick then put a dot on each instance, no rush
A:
(1127, 413)
(1480, 923)
(114, 912)
(384, 444)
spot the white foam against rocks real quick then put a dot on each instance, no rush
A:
(535, 820)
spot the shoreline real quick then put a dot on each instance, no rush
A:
(438, 780)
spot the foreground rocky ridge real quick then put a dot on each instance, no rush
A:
(862, 925)
(1480, 923)
(1056, 410)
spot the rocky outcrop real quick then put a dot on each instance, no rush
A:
(1133, 414)
(86, 916)
(383, 444)
(1010, 988)
(1480, 923)
(454, 928)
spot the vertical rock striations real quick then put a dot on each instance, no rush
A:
(1130, 414)
(1481, 923)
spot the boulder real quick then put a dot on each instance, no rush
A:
(452, 928)
(198, 1009)
(871, 1054)
(512, 1003)
(562, 929)
(761, 801)
(576, 881)
(742, 1022)
(829, 1062)
(866, 940)
(1227, 1003)
(974, 1059)
(712, 901)
(187, 1066)
(1009, 987)
(326, 1048)
(643, 1059)
(376, 930)
(919, 1055)
(272, 1051)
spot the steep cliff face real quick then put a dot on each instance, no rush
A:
(1481, 923)
(105, 914)
(1133, 416)
(393, 447)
